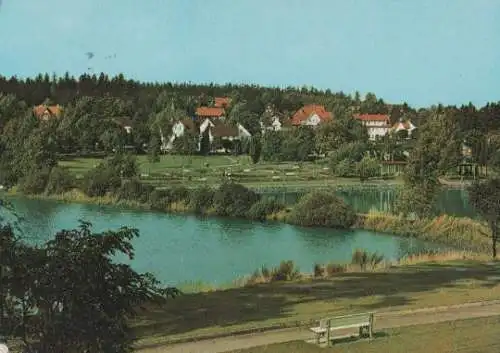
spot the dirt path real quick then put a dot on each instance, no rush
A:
(383, 320)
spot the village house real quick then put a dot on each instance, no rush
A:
(311, 115)
(47, 112)
(217, 129)
(203, 113)
(222, 102)
(273, 121)
(403, 125)
(378, 125)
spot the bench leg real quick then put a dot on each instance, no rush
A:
(370, 331)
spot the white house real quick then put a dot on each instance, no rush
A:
(403, 125)
(378, 125)
(216, 129)
(311, 115)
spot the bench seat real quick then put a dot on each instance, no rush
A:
(363, 322)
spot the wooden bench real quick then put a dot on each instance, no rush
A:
(364, 322)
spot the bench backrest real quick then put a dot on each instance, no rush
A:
(347, 320)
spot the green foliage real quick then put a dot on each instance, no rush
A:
(201, 199)
(363, 259)
(187, 144)
(354, 151)
(322, 209)
(159, 200)
(263, 208)
(205, 142)
(123, 165)
(100, 181)
(255, 149)
(368, 167)
(234, 200)
(344, 129)
(35, 181)
(417, 200)
(345, 168)
(485, 197)
(60, 180)
(271, 145)
(286, 271)
(134, 190)
(72, 287)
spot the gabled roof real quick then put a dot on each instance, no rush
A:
(307, 110)
(404, 125)
(211, 112)
(222, 102)
(222, 129)
(188, 123)
(53, 110)
(372, 117)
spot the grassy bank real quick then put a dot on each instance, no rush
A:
(300, 302)
(464, 336)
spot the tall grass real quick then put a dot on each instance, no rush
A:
(463, 233)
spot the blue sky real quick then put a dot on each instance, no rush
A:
(423, 52)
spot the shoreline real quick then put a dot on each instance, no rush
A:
(462, 233)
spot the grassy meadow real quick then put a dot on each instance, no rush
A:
(464, 336)
(409, 285)
(202, 170)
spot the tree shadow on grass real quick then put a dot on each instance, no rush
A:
(267, 304)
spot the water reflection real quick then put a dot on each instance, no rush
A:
(383, 199)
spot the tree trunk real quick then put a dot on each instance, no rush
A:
(494, 237)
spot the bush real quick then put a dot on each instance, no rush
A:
(286, 271)
(345, 168)
(363, 258)
(159, 200)
(332, 269)
(262, 208)
(123, 165)
(34, 182)
(60, 180)
(318, 271)
(134, 190)
(322, 209)
(234, 200)
(368, 167)
(100, 181)
(178, 194)
(201, 199)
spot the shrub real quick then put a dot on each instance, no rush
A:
(286, 271)
(363, 258)
(318, 270)
(34, 182)
(262, 208)
(332, 269)
(322, 209)
(201, 199)
(60, 180)
(123, 165)
(178, 194)
(234, 200)
(101, 180)
(344, 168)
(159, 200)
(368, 167)
(134, 190)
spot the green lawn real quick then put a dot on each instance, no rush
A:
(464, 336)
(415, 286)
(200, 170)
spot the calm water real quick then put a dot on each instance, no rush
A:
(450, 201)
(184, 248)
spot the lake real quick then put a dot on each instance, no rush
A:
(179, 248)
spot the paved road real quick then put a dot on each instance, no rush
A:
(382, 321)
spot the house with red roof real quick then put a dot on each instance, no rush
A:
(210, 113)
(311, 115)
(222, 102)
(47, 112)
(378, 125)
(403, 125)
